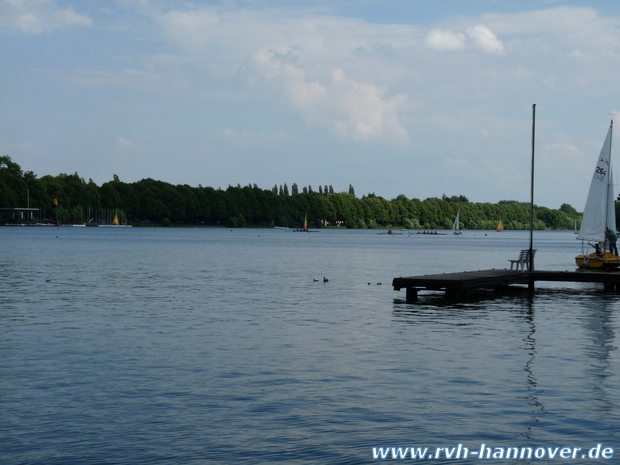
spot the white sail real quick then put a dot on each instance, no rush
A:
(456, 227)
(599, 212)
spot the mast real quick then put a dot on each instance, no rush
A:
(531, 267)
(610, 211)
(610, 185)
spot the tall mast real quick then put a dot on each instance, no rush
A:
(609, 180)
(531, 264)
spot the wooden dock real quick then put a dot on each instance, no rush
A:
(457, 286)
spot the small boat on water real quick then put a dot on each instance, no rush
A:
(500, 226)
(456, 227)
(391, 233)
(599, 213)
(305, 228)
(432, 233)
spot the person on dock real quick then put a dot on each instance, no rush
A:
(597, 249)
(612, 238)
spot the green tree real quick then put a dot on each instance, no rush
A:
(13, 187)
(569, 210)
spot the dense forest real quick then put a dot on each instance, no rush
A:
(68, 198)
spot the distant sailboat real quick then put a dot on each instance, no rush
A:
(115, 223)
(599, 213)
(305, 228)
(500, 226)
(456, 227)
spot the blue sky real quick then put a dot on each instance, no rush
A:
(413, 97)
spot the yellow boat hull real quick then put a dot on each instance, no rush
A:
(592, 261)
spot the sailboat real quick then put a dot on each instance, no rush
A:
(456, 227)
(305, 228)
(599, 212)
(500, 226)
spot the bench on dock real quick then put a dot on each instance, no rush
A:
(523, 261)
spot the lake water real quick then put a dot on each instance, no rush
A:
(212, 346)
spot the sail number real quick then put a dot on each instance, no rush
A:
(600, 173)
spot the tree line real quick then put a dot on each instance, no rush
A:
(71, 199)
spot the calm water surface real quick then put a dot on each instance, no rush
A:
(212, 346)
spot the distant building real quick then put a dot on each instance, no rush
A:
(18, 215)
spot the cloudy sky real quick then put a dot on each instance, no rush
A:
(413, 97)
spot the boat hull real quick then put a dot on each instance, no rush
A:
(592, 261)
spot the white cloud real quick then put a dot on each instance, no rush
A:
(354, 110)
(280, 65)
(579, 32)
(368, 113)
(445, 40)
(39, 16)
(477, 37)
(484, 39)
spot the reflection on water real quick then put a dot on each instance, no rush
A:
(567, 351)
(600, 330)
(212, 346)
(533, 392)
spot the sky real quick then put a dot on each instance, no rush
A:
(414, 97)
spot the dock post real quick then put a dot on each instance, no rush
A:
(412, 295)
(500, 290)
(453, 295)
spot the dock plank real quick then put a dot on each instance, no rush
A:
(455, 284)
(463, 280)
